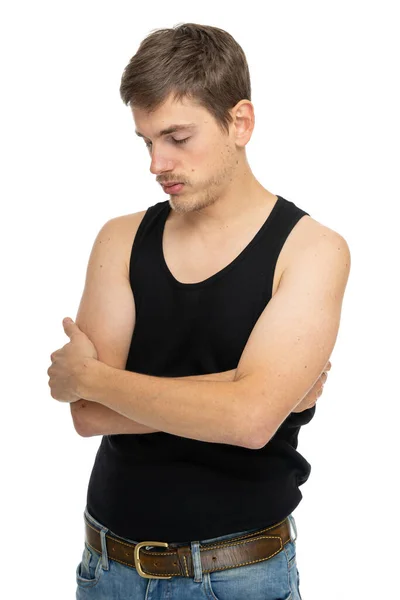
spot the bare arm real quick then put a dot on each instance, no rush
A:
(291, 342)
(98, 419)
(107, 316)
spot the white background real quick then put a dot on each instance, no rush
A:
(325, 90)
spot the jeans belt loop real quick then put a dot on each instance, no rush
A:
(104, 553)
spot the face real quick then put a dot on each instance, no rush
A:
(201, 156)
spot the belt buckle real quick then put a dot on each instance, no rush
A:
(137, 560)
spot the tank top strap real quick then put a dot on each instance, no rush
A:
(147, 225)
(287, 217)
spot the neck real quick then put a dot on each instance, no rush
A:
(243, 201)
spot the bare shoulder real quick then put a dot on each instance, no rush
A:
(128, 222)
(309, 236)
(121, 230)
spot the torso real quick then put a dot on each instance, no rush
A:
(191, 262)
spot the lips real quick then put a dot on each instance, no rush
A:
(173, 189)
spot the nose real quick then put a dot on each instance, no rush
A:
(160, 164)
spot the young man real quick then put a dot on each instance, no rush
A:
(201, 343)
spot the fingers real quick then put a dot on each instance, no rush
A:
(324, 374)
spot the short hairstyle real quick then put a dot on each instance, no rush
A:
(202, 63)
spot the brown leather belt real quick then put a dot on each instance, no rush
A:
(177, 560)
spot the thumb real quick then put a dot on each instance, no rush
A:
(69, 326)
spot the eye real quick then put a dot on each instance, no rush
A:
(148, 144)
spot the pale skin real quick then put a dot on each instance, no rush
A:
(102, 420)
(207, 229)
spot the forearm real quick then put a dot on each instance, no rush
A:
(225, 412)
(92, 418)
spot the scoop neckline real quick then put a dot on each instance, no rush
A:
(231, 265)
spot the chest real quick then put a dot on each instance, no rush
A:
(191, 262)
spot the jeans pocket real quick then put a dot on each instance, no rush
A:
(89, 570)
(264, 580)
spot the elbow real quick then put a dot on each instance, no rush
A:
(252, 438)
(83, 431)
(262, 434)
(258, 431)
(256, 442)
(82, 427)
(258, 439)
(251, 443)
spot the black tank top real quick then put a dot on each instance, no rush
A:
(165, 487)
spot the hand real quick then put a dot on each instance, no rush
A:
(314, 393)
(69, 362)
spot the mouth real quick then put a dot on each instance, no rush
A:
(172, 188)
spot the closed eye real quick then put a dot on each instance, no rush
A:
(148, 144)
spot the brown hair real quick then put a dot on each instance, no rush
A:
(200, 62)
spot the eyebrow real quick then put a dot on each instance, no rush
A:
(170, 129)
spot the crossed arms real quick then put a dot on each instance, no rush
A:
(283, 358)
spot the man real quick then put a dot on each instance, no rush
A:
(201, 343)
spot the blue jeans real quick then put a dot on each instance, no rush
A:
(101, 578)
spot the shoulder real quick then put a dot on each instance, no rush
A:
(309, 233)
(311, 243)
(127, 221)
(119, 233)
(131, 221)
